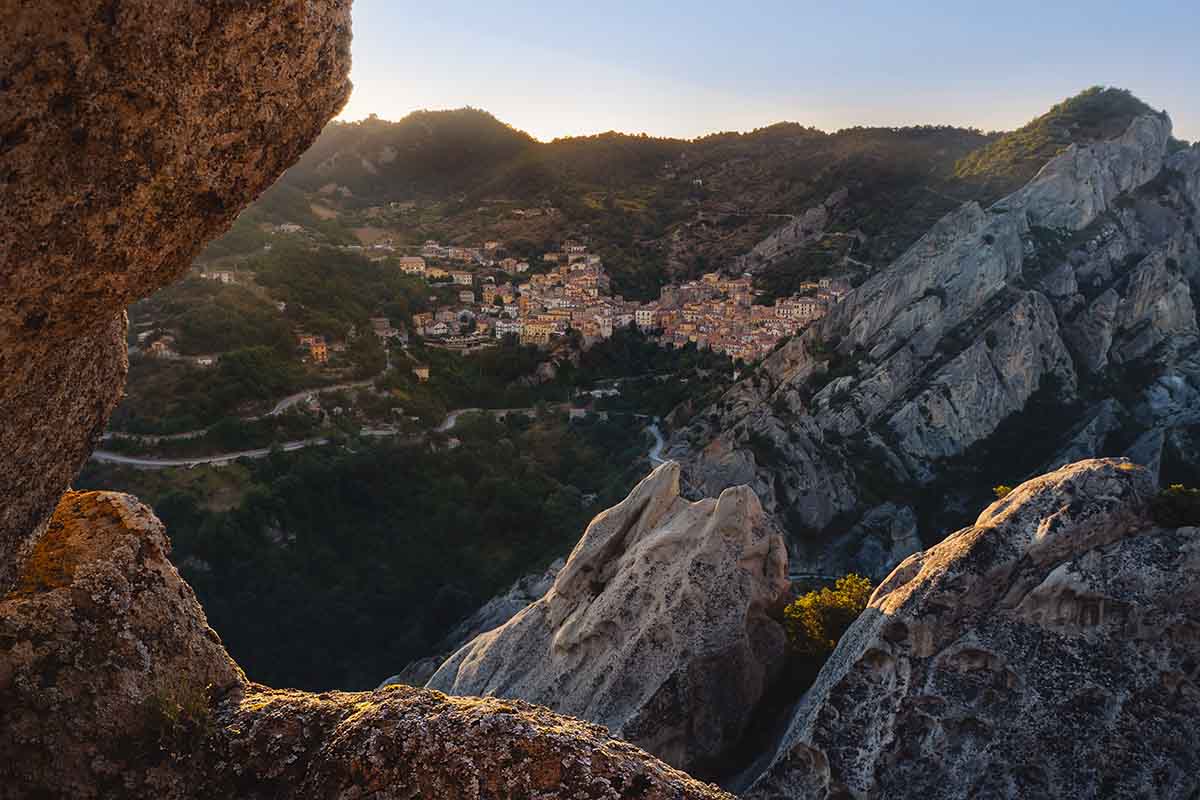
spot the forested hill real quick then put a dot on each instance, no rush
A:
(658, 209)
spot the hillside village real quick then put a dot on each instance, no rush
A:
(570, 291)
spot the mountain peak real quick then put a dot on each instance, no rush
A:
(1095, 114)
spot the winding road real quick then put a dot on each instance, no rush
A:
(276, 410)
(108, 457)
(222, 459)
(656, 458)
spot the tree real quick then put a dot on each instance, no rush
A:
(815, 621)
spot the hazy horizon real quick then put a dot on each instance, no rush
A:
(688, 70)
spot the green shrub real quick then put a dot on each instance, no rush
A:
(815, 621)
(1002, 491)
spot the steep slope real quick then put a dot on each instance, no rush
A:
(1093, 115)
(1069, 299)
(1048, 650)
(428, 152)
(653, 207)
(657, 626)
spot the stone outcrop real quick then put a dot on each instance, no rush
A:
(98, 633)
(656, 627)
(1049, 650)
(1075, 293)
(801, 231)
(882, 538)
(130, 134)
(113, 685)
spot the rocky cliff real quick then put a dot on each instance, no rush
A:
(131, 133)
(1052, 649)
(657, 626)
(1066, 305)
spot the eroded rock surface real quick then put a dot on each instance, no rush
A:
(1052, 649)
(113, 685)
(131, 133)
(656, 627)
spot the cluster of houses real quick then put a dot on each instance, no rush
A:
(718, 313)
(575, 294)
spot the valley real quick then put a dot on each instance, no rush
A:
(385, 346)
(425, 459)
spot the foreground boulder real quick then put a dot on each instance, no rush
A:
(1052, 649)
(656, 627)
(131, 133)
(112, 685)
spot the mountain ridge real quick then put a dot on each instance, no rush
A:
(1094, 261)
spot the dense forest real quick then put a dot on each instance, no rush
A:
(332, 568)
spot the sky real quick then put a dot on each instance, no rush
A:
(687, 69)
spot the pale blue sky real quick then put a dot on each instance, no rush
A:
(684, 69)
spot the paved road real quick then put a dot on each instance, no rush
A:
(656, 452)
(293, 399)
(452, 418)
(276, 410)
(144, 462)
(192, 461)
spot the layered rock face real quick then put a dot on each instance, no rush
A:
(130, 134)
(1052, 649)
(656, 627)
(113, 685)
(1080, 286)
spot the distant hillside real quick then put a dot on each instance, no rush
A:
(428, 152)
(787, 202)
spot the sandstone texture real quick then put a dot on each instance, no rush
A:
(657, 626)
(131, 133)
(1076, 294)
(113, 685)
(1052, 649)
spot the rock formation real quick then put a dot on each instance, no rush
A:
(131, 133)
(1075, 296)
(113, 685)
(1052, 649)
(656, 627)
